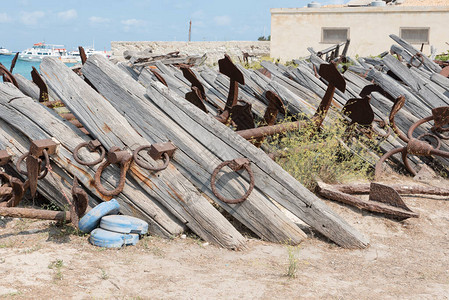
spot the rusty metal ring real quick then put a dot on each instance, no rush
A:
(378, 168)
(418, 57)
(42, 174)
(123, 169)
(406, 162)
(432, 136)
(100, 149)
(439, 133)
(146, 166)
(416, 124)
(226, 200)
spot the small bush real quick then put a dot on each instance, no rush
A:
(331, 154)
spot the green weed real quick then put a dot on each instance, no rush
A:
(293, 253)
(331, 154)
(104, 275)
(56, 266)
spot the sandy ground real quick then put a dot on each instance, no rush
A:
(406, 260)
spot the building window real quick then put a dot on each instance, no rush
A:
(334, 35)
(415, 35)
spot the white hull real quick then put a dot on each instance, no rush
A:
(4, 51)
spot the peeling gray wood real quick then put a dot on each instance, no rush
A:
(192, 159)
(168, 187)
(270, 177)
(35, 121)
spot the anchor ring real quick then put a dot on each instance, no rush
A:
(43, 173)
(226, 200)
(147, 166)
(99, 149)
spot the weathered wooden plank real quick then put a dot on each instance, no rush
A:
(27, 87)
(391, 86)
(194, 160)
(169, 186)
(129, 70)
(55, 185)
(270, 177)
(431, 96)
(428, 63)
(440, 80)
(35, 121)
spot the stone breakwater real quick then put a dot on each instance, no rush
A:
(214, 50)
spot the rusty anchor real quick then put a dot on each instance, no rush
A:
(38, 149)
(78, 207)
(83, 55)
(328, 72)
(197, 96)
(13, 62)
(416, 146)
(275, 107)
(155, 151)
(360, 112)
(382, 199)
(235, 165)
(158, 76)
(115, 156)
(5, 157)
(44, 99)
(7, 75)
(93, 145)
(227, 67)
(239, 114)
(43, 89)
(78, 204)
(11, 191)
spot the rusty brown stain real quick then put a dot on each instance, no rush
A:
(177, 195)
(106, 128)
(142, 177)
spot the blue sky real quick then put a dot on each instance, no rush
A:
(73, 23)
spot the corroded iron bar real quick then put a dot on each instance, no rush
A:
(260, 132)
(364, 188)
(18, 212)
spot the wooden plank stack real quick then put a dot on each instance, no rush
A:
(127, 106)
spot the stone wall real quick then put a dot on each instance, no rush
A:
(214, 50)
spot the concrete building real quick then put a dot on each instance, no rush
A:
(366, 24)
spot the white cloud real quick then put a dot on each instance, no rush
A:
(199, 24)
(68, 14)
(31, 18)
(183, 5)
(222, 20)
(4, 18)
(199, 14)
(98, 20)
(132, 23)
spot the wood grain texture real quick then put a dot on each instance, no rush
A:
(169, 187)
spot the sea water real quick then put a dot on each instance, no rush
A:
(22, 67)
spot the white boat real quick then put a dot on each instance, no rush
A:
(4, 51)
(89, 51)
(41, 50)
